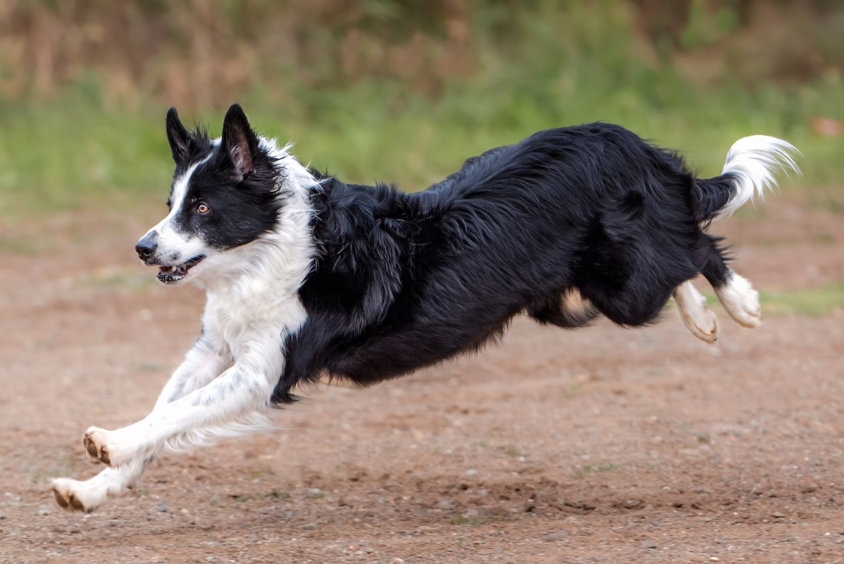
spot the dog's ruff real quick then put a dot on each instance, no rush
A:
(308, 276)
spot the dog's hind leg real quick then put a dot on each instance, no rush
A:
(697, 317)
(734, 292)
(740, 300)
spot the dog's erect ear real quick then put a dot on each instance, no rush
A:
(239, 142)
(179, 137)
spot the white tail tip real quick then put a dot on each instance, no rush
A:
(752, 161)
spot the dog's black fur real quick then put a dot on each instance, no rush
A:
(403, 281)
(237, 178)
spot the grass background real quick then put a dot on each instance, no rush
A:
(399, 91)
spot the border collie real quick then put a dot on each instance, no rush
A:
(309, 276)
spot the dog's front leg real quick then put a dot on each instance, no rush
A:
(202, 364)
(87, 495)
(234, 403)
(242, 390)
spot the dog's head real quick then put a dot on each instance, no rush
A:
(224, 195)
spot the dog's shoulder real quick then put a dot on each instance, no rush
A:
(363, 236)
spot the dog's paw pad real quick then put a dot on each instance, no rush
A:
(66, 499)
(94, 443)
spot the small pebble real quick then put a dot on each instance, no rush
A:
(555, 536)
(162, 508)
(445, 504)
(43, 511)
(649, 544)
(471, 472)
(309, 527)
(2, 516)
(777, 515)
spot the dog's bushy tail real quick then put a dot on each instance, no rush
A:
(748, 172)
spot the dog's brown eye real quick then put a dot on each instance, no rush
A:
(203, 208)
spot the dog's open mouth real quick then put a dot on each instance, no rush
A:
(171, 274)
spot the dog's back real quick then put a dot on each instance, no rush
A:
(407, 280)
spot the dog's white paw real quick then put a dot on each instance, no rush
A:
(704, 326)
(697, 317)
(73, 495)
(113, 448)
(96, 443)
(741, 301)
(86, 496)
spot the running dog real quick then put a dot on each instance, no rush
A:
(307, 276)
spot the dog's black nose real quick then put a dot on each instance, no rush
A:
(146, 246)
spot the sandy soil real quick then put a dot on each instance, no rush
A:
(603, 445)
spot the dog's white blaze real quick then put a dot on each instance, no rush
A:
(177, 197)
(752, 161)
(175, 247)
(224, 386)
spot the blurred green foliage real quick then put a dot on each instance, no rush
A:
(388, 89)
(814, 303)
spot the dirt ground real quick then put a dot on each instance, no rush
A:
(602, 445)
